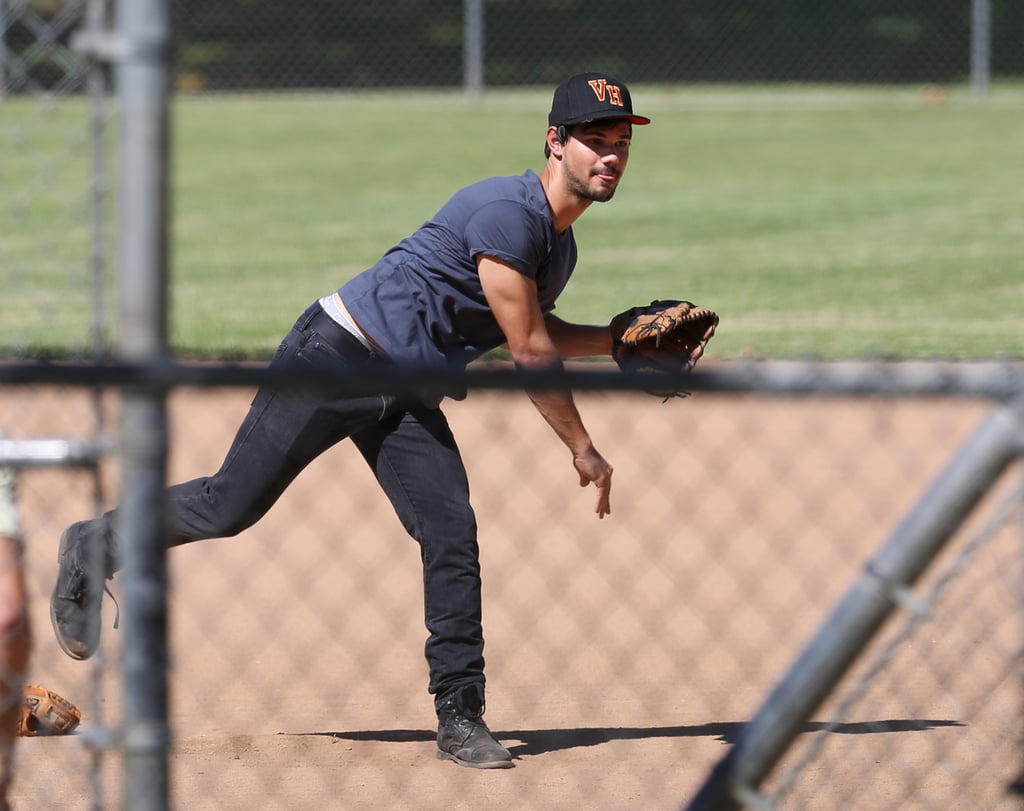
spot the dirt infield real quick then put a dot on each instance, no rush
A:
(623, 655)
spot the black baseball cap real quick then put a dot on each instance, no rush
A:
(591, 97)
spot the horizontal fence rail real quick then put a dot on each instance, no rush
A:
(982, 379)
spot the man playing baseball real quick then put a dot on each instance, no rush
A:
(484, 272)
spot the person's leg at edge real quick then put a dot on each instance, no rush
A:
(415, 458)
(14, 652)
(15, 641)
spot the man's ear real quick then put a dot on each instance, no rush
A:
(556, 138)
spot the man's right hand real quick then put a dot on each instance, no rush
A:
(593, 468)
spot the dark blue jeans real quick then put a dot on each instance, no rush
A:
(408, 446)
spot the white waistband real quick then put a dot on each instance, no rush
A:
(331, 308)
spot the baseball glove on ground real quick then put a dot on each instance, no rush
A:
(666, 337)
(44, 712)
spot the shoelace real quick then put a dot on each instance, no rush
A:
(79, 597)
(117, 608)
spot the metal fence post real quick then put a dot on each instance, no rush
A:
(3, 49)
(142, 45)
(473, 48)
(981, 47)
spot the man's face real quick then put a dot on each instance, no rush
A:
(595, 157)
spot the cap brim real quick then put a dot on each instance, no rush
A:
(611, 115)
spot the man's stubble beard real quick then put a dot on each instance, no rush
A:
(582, 190)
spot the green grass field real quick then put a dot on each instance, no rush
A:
(818, 221)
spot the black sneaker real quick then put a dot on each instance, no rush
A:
(463, 736)
(83, 562)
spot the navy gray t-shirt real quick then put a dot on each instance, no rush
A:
(423, 304)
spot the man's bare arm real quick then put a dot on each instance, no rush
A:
(578, 340)
(513, 300)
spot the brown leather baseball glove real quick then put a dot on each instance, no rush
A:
(44, 712)
(665, 337)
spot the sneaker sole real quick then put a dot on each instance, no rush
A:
(489, 764)
(53, 613)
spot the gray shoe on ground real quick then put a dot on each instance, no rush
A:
(83, 564)
(463, 736)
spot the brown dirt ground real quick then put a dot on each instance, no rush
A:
(623, 655)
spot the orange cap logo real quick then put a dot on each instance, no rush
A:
(601, 89)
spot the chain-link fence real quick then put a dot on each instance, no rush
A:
(263, 45)
(243, 44)
(55, 123)
(55, 119)
(626, 656)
